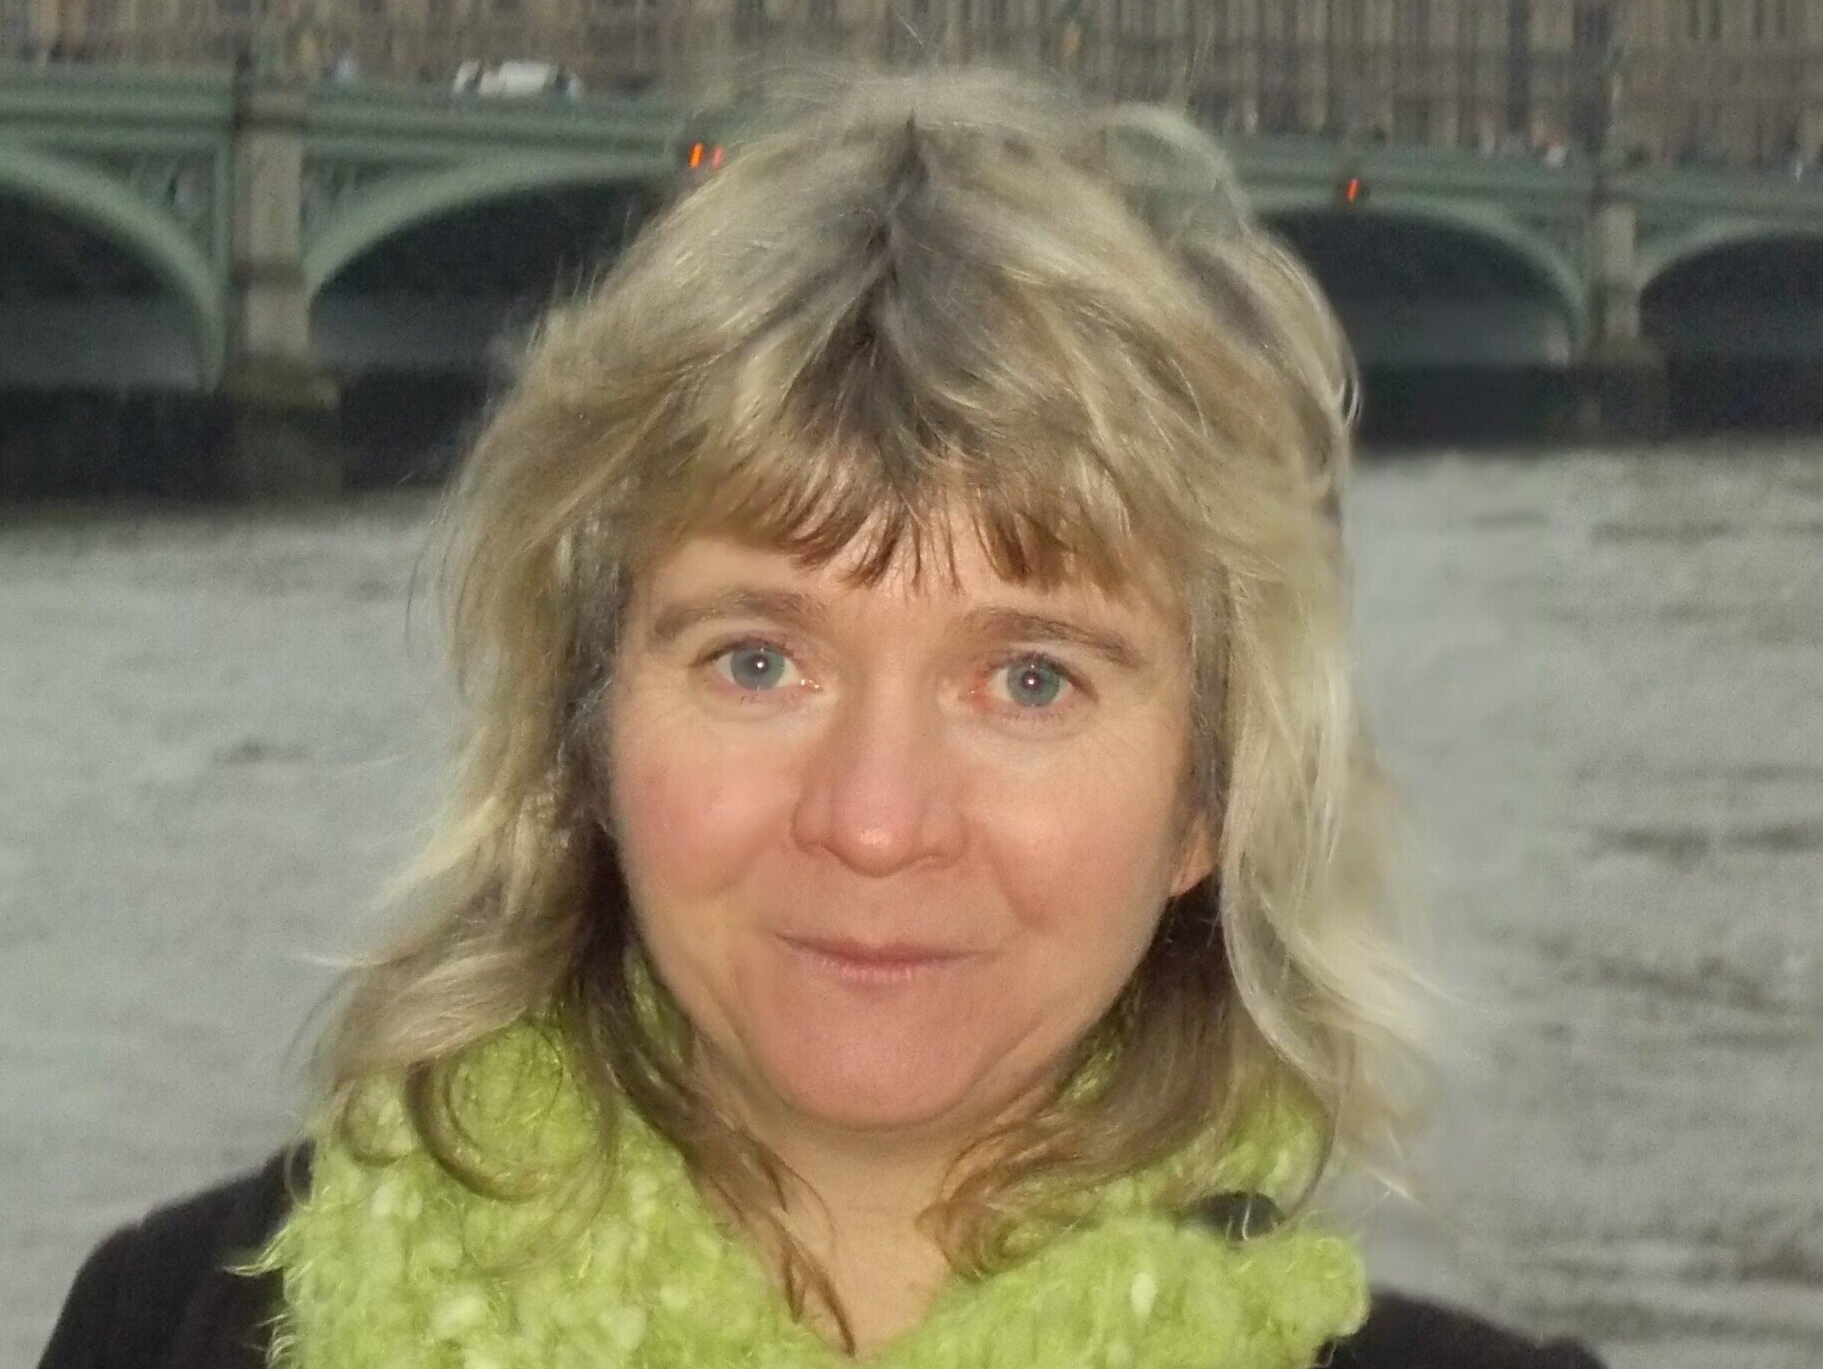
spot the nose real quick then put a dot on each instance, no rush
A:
(878, 790)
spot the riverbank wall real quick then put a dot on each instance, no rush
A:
(388, 430)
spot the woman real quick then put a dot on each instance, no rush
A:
(917, 885)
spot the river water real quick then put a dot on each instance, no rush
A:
(1599, 673)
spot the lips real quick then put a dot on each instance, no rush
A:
(882, 955)
(875, 967)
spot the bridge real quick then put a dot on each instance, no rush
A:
(189, 231)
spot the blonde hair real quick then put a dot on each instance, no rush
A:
(911, 296)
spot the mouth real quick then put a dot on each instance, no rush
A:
(863, 963)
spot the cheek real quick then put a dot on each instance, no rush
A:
(691, 812)
(1089, 864)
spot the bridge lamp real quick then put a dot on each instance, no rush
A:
(1351, 192)
(703, 156)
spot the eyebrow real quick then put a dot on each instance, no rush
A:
(1014, 624)
(780, 605)
(804, 612)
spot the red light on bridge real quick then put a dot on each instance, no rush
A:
(1351, 192)
(703, 155)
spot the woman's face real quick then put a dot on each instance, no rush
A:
(894, 849)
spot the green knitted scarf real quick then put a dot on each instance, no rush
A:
(393, 1264)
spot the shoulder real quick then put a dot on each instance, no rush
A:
(1408, 1333)
(158, 1294)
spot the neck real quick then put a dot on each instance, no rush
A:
(885, 1271)
(855, 1210)
(856, 1213)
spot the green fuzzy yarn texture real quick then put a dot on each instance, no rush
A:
(396, 1264)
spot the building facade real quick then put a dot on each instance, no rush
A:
(1737, 81)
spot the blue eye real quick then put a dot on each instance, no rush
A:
(756, 666)
(1034, 683)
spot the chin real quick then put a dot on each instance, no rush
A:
(854, 1094)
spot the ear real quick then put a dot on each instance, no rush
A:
(1198, 858)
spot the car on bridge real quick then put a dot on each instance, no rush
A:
(517, 77)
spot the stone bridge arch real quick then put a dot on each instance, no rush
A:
(1710, 294)
(114, 212)
(1660, 256)
(1559, 278)
(436, 279)
(401, 203)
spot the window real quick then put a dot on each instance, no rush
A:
(909, 31)
(1519, 69)
(1139, 18)
(1592, 26)
(1412, 20)
(1208, 43)
(1349, 22)
(1412, 118)
(1214, 106)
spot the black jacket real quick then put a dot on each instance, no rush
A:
(156, 1296)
